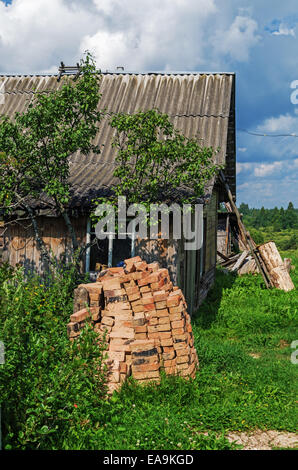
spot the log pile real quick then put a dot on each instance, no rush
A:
(278, 270)
(144, 320)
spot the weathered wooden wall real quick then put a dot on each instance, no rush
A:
(20, 246)
(193, 270)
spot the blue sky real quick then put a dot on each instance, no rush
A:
(257, 40)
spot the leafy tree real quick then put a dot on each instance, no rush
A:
(156, 162)
(37, 145)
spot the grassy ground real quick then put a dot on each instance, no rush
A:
(233, 391)
(246, 381)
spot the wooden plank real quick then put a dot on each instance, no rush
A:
(240, 261)
(262, 268)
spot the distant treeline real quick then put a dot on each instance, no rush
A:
(280, 225)
(277, 219)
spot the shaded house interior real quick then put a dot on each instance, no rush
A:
(199, 105)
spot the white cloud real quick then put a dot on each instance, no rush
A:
(242, 167)
(242, 149)
(286, 124)
(266, 169)
(142, 35)
(35, 36)
(284, 31)
(238, 40)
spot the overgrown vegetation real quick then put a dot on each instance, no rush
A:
(36, 147)
(48, 386)
(246, 380)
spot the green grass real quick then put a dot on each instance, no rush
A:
(232, 390)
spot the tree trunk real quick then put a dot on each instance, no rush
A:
(70, 229)
(275, 266)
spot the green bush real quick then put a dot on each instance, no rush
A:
(48, 385)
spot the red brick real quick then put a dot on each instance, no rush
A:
(81, 315)
(135, 259)
(141, 329)
(109, 321)
(145, 367)
(139, 308)
(177, 324)
(177, 309)
(141, 265)
(139, 275)
(179, 346)
(153, 329)
(175, 316)
(162, 313)
(117, 355)
(119, 345)
(182, 337)
(156, 286)
(166, 342)
(145, 289)
(133, 297)
(105, 328)
(169, 363)
(149, 307)
(164, 321)
(114, 376)
(168, 286)
(123, 368)
(130, 290)
(160, 296)
(153, 266)
(182, 359)
(111, 284)
(164, 327)
(146, 375)
(140, 335)
(147, 298)
(125, 333)
(164, 334)
(136, 361)
(141, 345)
(177, 331)
(139, 322)
(123, 323)
(154, 335)
(130, 268)
(173, 300)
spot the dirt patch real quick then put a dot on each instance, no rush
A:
(264, 440)
(283, 344)
(255, 355)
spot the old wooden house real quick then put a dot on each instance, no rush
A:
(199, 104)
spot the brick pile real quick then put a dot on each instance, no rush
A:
(144, 319)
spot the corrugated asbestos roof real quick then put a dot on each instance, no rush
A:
(198, 104)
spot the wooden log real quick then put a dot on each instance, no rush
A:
(275, 266)
(249, 267)
(288, 264)
(270, 255)
(240, 261)
(282, 279)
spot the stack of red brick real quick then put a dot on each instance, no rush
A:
(144, 319)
